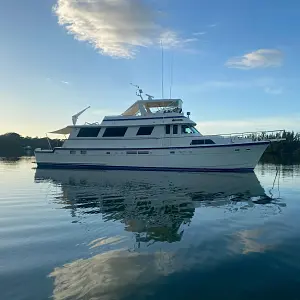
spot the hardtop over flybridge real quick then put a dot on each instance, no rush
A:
(154, 134)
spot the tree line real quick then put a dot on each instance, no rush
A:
(14, 145)
(287, 151)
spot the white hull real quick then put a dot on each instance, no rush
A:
(232, 157)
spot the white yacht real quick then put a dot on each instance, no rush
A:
(153, 134)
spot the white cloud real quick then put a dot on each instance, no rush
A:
(199, 33)
(262, 58)
(170, 39)
(246, 125)
(267, 85)
(273, 91)
(116, 28)
(65, 82)
(212, 25)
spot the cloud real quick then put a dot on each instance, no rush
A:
(170, 39)
(273, 91)
(246, 125)
(116, 28)
(266, 84)
(51, 80)
(199, 33)
(212, 25)
(262, 58)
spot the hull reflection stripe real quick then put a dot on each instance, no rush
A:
(135, 168)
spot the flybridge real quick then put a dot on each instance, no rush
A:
(153, 106)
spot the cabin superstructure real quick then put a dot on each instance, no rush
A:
(147, 123)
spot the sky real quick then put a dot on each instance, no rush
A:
(234, 63)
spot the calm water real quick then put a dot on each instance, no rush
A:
(110, 235)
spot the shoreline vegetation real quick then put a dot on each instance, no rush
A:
(15, 145)
(283, 152)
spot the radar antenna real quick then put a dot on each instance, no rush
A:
(139, 91)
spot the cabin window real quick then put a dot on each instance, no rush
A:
(202, 142)
(115, 131)
(186, 129)
(175, 129)
(145, 130)
(83, 151)
(89, 132)
(209, 142)
(168, 129)
(72, 152)
(143, 152)
(197, 142)
(131, 152)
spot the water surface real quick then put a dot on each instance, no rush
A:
(79, 234)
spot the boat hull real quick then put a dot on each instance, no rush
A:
(230, 158)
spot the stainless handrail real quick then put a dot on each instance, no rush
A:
(262, 135)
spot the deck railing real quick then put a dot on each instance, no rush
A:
(266, 135)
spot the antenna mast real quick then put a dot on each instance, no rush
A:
(162, 69)
(139, 91)
(171, 84)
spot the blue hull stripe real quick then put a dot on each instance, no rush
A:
(106, 167)
(159, 148)
(141, 119)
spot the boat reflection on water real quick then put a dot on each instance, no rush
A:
(155, 207)
(152, 205)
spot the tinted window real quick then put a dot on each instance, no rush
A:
(131, 152)
(209, 142)
(115, 131)
(188, 129)
(175, 129)
(202, 142)
(197, 142)
(89, 132)
(145, 130)
(168, 129)
(143, 152)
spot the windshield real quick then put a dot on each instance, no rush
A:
(186, 129)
